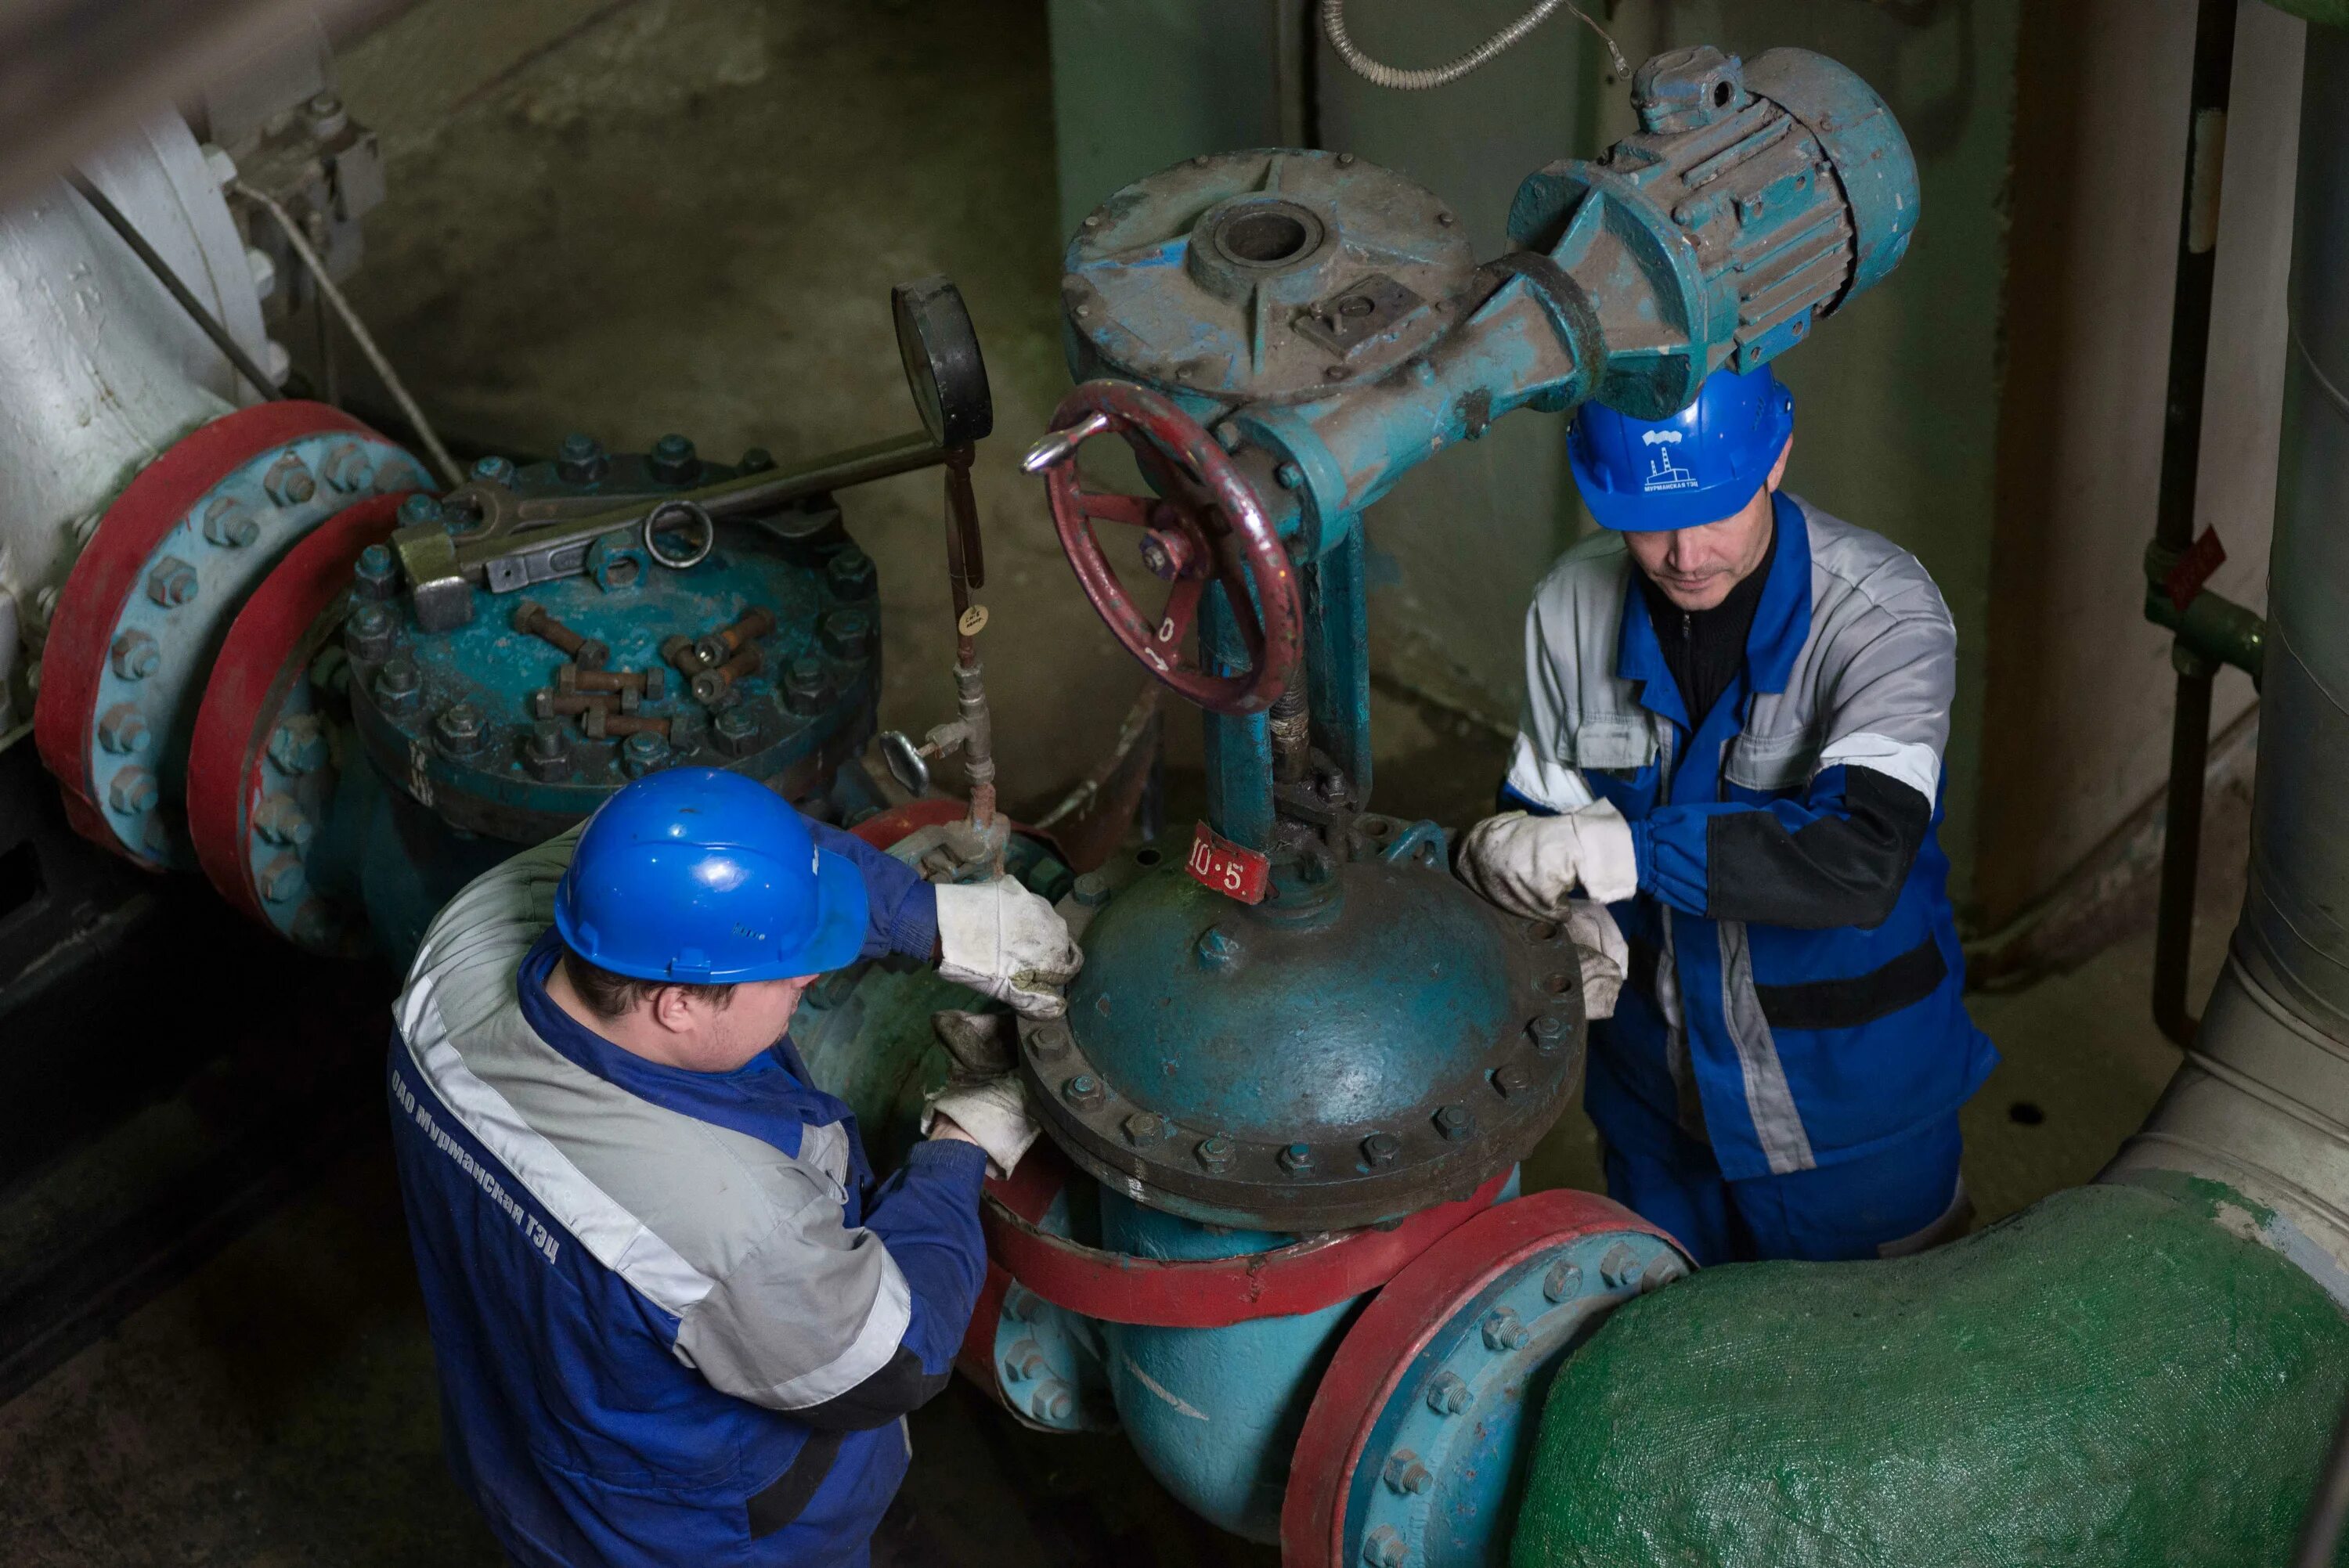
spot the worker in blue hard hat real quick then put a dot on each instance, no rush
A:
(676, 1319)
(1727, 780)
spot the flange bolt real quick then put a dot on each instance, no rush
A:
(547, 751)
(135, 656)
(1548, 1032)
(282, 821)
(851, 573)
(131, 790)
(1092, 889)
(847, 633)
(460, 726)
(281, 881)
(1288, 476)
(1215, 1155)
(299, 745)
(172, 583)
(1049, 1041)
(1084, 1091)
(229, 525)
(346, 468)
(1023, 1361)
(1297, 1159)
(580, 460)
(1447, 1395)
(644, 752)
(1504, 1330)
(672, 460)
(288, 481)
(1563, 1283)
(1453, 1121)
(368, 633)
(1383, 1548)
(1404, 1473)
(1053, 1402)
(736, 731)
(495, 470)
(1382, 1149)
(418, 509)
(123, 729)
(397, 685)
(804, 687)
(1511, 1079)
(1145, 1127)
(1620, 1268)
(376, 575)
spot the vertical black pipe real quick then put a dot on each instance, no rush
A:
(2173, 527)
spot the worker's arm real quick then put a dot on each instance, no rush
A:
(845, 1327)
(902, 909)
(1839, 855)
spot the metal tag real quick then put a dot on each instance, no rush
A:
(1222, 866)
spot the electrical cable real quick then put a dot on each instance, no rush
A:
(1333, 24)
(414, 415)
(106, 208)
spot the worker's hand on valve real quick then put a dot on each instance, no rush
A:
(1004, 942)
(982, 1100)
(1531, 865)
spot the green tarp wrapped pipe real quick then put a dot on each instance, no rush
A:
(2112, 1377)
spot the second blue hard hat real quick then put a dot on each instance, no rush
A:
(699, 875)
(1701, 465)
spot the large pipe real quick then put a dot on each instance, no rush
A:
(2261, 1102)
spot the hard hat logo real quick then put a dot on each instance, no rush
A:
(1696, 467)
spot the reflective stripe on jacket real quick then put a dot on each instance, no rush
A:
(674, 1321)
(1794, 994)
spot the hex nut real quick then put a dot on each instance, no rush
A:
(1620, 1267)
(850, 572)
(1297, 1159)
(1504, 1330)
(1049, 1041)
(289, 482)
(1511, 1079)
(1404, 1473)
(298, 745)
(495, 470)
(420, 508)
(672, 460)
(1383, 1547)
(1145, 1127)
(172, 583)
(459, 727)
(643, 752)
(1380, 1149)
(848, 633)
(546, 750)
(736, 731)
(1092, 889)
(135, 655)
(1024, 1360)
(346, 468)
(282, 821)
(1084, 1091)
(396, 685)
(1053, 1402)
(1215, 1154)
(1448, 1395)
(283, 880)
(1454, 1122)
(122, 729)
(1548, 1032)
(368, 633)
(1564, 1281)
(229, 525)
(1217, 948)
(131, 790)
(805, 689)
(580, 460)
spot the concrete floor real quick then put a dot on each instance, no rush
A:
(684, 214)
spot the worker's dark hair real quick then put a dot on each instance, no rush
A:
(610, 996)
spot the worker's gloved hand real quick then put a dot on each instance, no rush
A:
(982, 1096)
(1605, 957)
(1004, 942)
(1529, 866)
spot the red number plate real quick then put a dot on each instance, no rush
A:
(1226, 868)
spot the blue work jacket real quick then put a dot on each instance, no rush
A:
(1794, 988)
(675, 1322)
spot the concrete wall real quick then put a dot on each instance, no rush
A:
(2080, 685)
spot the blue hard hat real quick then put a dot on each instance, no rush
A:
(699, 875)
(1699, 466)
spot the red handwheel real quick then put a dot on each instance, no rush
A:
(1210, 528)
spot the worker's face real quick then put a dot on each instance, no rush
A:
(705, 1036)
(1697, 567)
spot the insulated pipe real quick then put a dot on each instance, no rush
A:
(2261, 1102)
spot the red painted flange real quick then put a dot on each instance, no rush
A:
(1212, 528)
(157, 500)
(1377, 1353)
(1198, 1292)
(267, 649)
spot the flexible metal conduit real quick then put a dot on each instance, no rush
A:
(2263, 1101)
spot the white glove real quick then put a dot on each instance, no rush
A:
(1004, 942)
(1528, 865)
(993, 1111)
(1606, 958)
